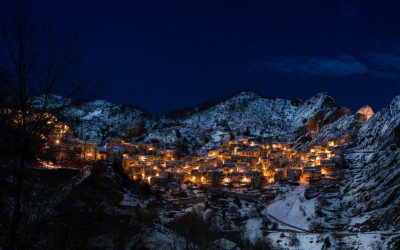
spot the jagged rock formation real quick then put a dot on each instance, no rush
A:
(365, 113)
(372, 183)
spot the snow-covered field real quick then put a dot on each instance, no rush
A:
(313, 241)
(293, 208)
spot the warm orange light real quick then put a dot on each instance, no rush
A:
(263, 163)
(245, 179)
(226, 180)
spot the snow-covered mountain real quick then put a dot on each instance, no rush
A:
(245, 113)
(207, 125)
(96, 120)
(100, 120)
(372, 184)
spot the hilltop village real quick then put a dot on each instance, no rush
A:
(237, 164)
(240, 166)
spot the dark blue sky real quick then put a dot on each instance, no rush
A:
(167, 55)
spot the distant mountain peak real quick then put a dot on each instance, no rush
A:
(322, 94)
(246, 92)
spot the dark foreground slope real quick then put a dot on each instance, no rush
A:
(94, 208)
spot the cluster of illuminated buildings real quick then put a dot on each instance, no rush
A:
(244, 162)
(238, 163)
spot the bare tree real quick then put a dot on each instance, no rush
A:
(35, 62)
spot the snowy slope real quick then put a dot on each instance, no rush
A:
(345, 125)
(244, 113)
(101, 120)
(293, 208)
(96, 120)
(372, 184)
(205, 126)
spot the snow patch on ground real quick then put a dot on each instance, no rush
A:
(359, 219)
(253, 229)
(305, 241)
(314, 241)
(131, 200)
(293, 208)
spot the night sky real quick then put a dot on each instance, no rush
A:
(167, 55)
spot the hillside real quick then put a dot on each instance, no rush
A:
(205, 126)
(245, 113)
(372, 184)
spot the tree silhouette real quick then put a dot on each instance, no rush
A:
(35, 62)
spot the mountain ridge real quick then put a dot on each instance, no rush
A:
(242, 112)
